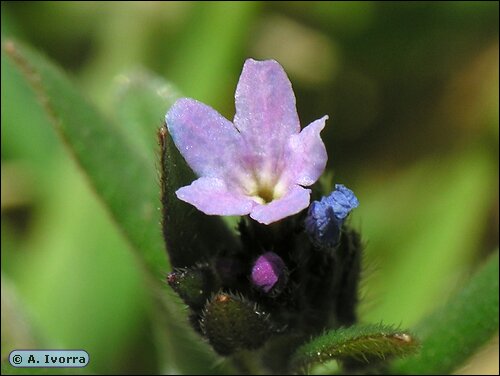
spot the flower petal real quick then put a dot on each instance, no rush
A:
(212, 197)
(207, 141)
(306, 155)
(296, 199)
(266, 114)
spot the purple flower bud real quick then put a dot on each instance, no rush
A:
(269, 273)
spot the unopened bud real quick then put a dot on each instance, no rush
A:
(269, 273)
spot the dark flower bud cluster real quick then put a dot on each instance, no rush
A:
(287, 281)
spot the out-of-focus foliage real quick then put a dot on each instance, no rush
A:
(101, 149)
(412, 91)
(448, 339)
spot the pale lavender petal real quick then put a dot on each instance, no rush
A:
(212, 196)
(306, 155)
(296, 199)
(208, 142)
(266, 114)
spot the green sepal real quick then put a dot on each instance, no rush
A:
(194, 285)
(232, 323)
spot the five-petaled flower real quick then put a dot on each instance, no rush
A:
(260, 163)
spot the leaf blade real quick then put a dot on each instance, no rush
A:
(358, 342)
(447, 338)
(123, 174)
(117, 170)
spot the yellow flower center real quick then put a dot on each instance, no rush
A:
(266, 194)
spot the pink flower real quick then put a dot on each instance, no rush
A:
(260, 163)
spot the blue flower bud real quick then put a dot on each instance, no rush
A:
(326, 217)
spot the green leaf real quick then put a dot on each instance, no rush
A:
(359, 342)
(17, 332)
(437, 229)
(72, 253)
(209, 57)
(456, 331)
(141, 101)
(119, 170)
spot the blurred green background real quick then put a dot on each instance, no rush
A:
(412, 93)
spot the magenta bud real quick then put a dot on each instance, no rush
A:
(269, 273)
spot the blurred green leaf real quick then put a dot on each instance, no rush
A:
(117, 168)
(71, 261)
(360, 342)
(82, 286)
(210, 54)
(117, 164)
(183, 350)
(424, 226)
(457, 330)
(17, 332)
(17, 121)
(141, 101)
